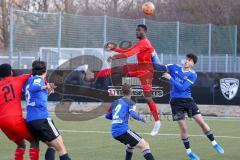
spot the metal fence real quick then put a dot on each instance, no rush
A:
(215, 45)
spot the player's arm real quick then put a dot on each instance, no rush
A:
(188, 82)
(134, 115)
(139, 47)
(120, 50)
(23, 77)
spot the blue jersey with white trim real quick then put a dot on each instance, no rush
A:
(119, 113)
(181, 81)
(36, 99)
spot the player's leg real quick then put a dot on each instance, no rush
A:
(20, 150)
(146, 82)
(129, 152)
(59, 146)
(145, 149)
(12, 128)
(49, 134)
(207, 131)
(50, 153)
(132, 139)
(178, 114)
(185, 139)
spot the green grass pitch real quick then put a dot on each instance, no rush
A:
(91, 140)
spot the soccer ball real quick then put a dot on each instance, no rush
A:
(148, 8)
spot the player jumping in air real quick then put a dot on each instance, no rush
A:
(143, 69)
(181, 101)
(119, 113)
(38, 120)
(12, 121)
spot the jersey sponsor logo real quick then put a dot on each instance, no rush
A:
(229, 87)
(37, 81)
(137, 90)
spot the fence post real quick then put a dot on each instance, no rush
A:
(59, 35)
(104, 34)
(144, 21)
(11, 36)
(209, 47)
(226, 63)
(201, 59)
(235, 48)
(178, 40)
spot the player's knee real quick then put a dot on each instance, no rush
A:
(58, 145)
(143, 145)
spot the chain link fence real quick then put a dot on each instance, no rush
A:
(30, 32)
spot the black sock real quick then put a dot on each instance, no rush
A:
(147, 154)
(50, 154)
(129, 153)
(210, 135)
(186, 143)
(64, 157)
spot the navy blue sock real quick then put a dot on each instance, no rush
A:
(147, 154)
(186, 143)
(129, 153)
(50, 154)
(64, 157)
(210, 135)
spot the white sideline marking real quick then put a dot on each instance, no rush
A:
(161, 134)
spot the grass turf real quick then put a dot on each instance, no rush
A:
(83, 143)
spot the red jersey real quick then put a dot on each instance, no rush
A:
(143, 49)
(10, 95)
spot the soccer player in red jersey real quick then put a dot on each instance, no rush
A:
(144, 69)
(12, 123)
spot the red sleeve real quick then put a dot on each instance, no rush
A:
(119, 50)
(24, 77)
(139, 47)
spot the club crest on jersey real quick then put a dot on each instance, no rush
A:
(229, 87)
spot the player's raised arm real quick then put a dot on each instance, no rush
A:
(139, 47)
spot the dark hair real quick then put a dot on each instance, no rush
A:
(5, 70)
(39, 67)
(142, 26)
(192, 57)
(126, 89)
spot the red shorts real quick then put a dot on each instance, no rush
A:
(143, 71)
(15, 128)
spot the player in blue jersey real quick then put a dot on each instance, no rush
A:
(181, 80)
(38, 121)
(119, 113)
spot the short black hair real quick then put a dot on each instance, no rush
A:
(126, 89)
(143, 26)
(193, 57)
(39, 67)
(5, 70)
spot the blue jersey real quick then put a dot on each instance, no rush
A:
(119, 114)
(36, 99)
(181, 81)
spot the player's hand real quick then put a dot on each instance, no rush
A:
(110, 46)
(110, 59)
(143, 120)
(51, 87)
(167, 76)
